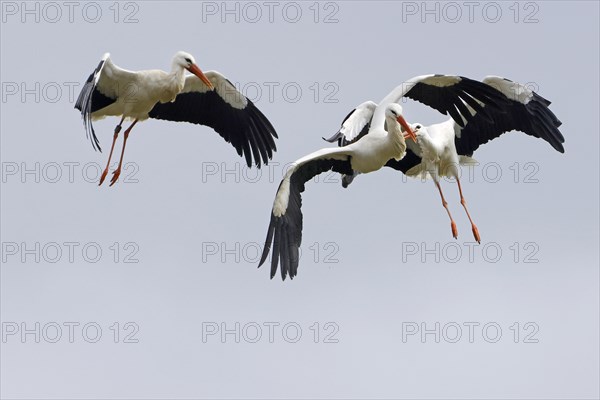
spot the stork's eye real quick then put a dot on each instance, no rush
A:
(188, 60)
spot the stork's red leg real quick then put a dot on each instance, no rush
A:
(116, 135)
(117, 172)
(445, 204)
(464, 203)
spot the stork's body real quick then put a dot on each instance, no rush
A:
(372, 151)
(435, 145)
(143, 91)
(207, 99)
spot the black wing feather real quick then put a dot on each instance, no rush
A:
(90, 100)
(448, 99)
(247, 129)
(533, 118)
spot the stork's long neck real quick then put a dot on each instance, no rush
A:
(177, 77)
(396, 138)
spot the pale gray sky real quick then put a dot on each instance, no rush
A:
(379, 265)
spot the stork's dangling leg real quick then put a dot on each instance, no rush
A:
(464, 203)
(445, 204)
(117, 172)
(116, 135)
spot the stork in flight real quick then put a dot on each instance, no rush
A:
(202, 98)
(370, 136)
(441, 148)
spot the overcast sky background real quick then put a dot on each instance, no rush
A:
(378, 258)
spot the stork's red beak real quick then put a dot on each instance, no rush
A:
(409, 133)
(196, 71)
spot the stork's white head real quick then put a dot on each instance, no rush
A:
(393, 112)
(186, 61)
(183, 59)
(418, 128)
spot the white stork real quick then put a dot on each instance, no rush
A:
(441, 148)
(202, 98)
(370, 136)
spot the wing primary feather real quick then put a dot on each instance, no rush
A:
(463, 109)
(477, 107)
(284, 256)
(293, 252)
(276, 252)
(260, 148)
(268, 241)
(455, 114)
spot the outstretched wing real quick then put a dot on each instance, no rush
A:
(451, 95)
(231, 114)
(99, 91)
(526, 111)
(285, 227)
(355, 125)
